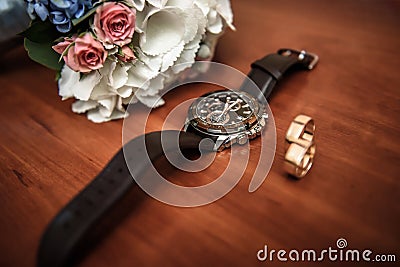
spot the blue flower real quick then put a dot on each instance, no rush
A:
(71, 8)
(62, 22)
(59, 12)
(39, 8)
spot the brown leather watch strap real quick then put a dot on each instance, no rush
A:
(75, 227)
(266, 72)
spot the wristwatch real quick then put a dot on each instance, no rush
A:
(226, 117)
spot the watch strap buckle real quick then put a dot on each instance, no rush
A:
(309, 60)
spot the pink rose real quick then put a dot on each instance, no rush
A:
(84, 53)
(60, 47)
(128, 54)
(114, 23)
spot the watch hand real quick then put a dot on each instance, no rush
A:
(227, 108)
(233, 104)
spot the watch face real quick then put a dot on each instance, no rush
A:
(224, 112)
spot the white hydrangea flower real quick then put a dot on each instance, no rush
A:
(218, 13)
(169, 36)
(137, 4)
(100, 92)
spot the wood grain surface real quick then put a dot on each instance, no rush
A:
(48, 154)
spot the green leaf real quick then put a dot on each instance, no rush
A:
(43, 54)
(58, 76)
(87, 15)
(41, 32)
(120, 53)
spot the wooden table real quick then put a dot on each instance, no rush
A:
(48, 154)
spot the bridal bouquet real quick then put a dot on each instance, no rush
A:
(109, 53)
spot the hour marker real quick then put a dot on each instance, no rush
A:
(247, 112)
(245, 105)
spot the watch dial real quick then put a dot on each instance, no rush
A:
(227, 110)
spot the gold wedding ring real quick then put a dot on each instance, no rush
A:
(300, 146)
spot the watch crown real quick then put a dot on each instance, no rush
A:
(242, 139)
